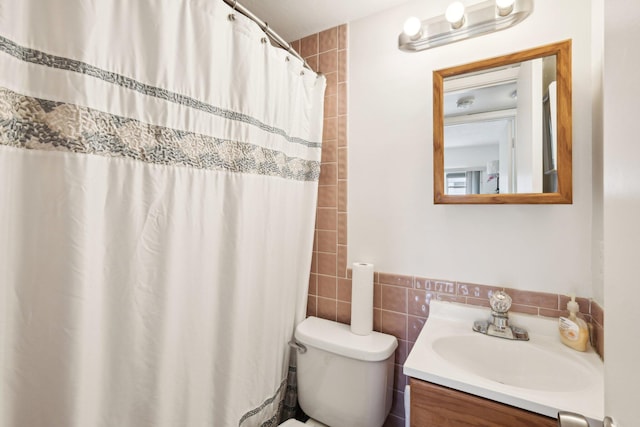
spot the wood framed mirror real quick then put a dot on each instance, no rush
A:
(502, 129)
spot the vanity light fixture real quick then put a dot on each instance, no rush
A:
(459, 23)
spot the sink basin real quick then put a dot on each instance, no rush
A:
(515, 363)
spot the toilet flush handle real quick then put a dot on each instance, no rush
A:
(300, 347)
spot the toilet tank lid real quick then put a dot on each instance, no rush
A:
(337, 338)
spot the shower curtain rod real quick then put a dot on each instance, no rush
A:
(267, 30)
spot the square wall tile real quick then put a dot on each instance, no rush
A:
(394, 421)
(394, 298)
(342, 260)
(342, 98)
(328, 39)
(418, 302)
(342, 66)
(598, 339)
(309, 45)
(328, 174)
(342, 163)
(402, 352)
(331, 105)
(295, 45)
(394, 324)
(377, 295)
(330, 129)
(342, 228)
(342, 196)
(311, 306)
(327, 241)
(414, 327)
(327, 309)
(327, 219)
(342, 37)
(312, 62)
(342, 131)
(344, 290)
(332, 83)
(313, 284)
(314, 262)
(327, 264)
(344, 312)
(329, 151)
(399, 379)
(397, 406)
(597, 313)
(328, 62)
(327, 196)
(377, 320)
(327, 286)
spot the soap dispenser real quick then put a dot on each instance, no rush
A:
(574, 331)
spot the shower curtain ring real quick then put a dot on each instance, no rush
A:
(232, 16)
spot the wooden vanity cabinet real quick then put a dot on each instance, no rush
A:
(437, 406)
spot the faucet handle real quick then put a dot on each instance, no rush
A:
(500, 302)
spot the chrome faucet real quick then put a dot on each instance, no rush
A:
(498, 325)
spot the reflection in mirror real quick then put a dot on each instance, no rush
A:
(499, 134)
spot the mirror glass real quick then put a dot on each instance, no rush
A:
(502, 129)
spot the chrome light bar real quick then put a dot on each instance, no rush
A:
(482, 18)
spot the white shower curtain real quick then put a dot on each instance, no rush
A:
(158, 182)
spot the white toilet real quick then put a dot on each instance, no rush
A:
(344, 379)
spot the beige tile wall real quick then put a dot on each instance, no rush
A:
(401, 303)
(326, 52)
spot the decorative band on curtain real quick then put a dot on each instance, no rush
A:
(158, 182)
(34, 123)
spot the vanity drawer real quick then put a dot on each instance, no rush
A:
(433, 405)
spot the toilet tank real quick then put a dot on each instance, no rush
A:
(344, 379)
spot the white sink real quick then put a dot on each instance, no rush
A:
(540, 375)
(516, 363)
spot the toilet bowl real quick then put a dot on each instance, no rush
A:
(344, 379)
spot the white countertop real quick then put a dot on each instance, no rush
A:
(450, 319)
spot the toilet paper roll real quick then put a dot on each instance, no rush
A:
(362, 298)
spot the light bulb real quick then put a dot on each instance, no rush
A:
(505, 7)
(412, 26)
(455, 14)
